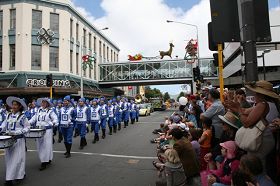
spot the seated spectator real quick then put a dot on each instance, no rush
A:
(276, 122)
(240, 178)
(213, 111)
(229, 165)
(160, 130)
(240, 96)
(205, 142)
(195, 135)
(252, 165)
(187, 156)
(230, 126)
(173, 169)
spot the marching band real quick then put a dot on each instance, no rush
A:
(44, 117)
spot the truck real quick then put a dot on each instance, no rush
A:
(158, 104)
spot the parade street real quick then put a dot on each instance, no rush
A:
(124, 159)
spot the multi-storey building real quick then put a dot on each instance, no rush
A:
(39, 37)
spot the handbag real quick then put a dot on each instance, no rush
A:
(250, 139)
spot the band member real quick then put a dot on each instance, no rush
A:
(2, 112)
(104, 116)
(82, 113)
(45, 118)
(15, 124)
(57, 111)
(66, 119)
(111, 117)
(95, 113)
(132, 111)
(125, 112)
(137, 112)
(119, 112)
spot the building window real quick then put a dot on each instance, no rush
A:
(90, 73)
(111, 55)
(54, 59)
(77, 63)
(89, 40)
(12, 57)
(71, 28)
(108, 54)
(104, 52)
(13, 19)
(94, 70)
(36, 57)
(1, 61)
(84, 37)
(114, 56)
(94, 44)
(1, 21)
(36, 19)
(84, 73)
(100, 49)
(77, 32)
(71, 61)
(117, 57)
(54, 22)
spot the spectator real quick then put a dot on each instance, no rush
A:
(230, 127)
(205, 142)
(240, 178)
(195, 135)
(276, 121)
(262, 111)
(229, 165)
(187, 156)
(252, 165)
(241, 98)
(213, 111)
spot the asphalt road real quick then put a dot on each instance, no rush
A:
(123, 159)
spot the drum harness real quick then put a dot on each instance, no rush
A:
(15, 137)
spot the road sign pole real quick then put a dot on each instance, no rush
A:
(51, 93)
(221, 67)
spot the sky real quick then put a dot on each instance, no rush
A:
(140, 26)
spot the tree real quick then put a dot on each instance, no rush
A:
(152, 93)
(180, 95)
(166, 96)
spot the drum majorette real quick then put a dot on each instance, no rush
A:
(15, 125)
(45, 119)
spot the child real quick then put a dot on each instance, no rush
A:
(173, 168)
(205, 142)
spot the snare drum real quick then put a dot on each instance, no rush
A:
(6, 142)
(35, 133)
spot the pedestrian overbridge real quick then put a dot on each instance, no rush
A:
(153, 72)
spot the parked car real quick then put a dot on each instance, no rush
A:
(151, 107)
(144, 110)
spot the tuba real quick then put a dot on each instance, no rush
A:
(138, 99)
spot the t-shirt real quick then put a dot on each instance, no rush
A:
(207, 142)
(217, 108)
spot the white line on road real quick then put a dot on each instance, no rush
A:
(106, 155)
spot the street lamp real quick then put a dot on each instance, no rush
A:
(193, 87)
(106, 28)
(262, 56)
(196, 27)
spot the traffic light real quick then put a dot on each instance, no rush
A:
(49, 80)
(216, 59)
(196, 73)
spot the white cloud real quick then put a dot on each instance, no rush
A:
(140, 26)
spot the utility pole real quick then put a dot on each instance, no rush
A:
(248, 35)
(221, 68)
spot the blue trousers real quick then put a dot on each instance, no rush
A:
(111, 122)
(118, 118)
(95, 126)
(82, 128)
(133, 115)
(126, 116)
(67, 134)
(103, 123)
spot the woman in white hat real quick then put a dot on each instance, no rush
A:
(15, 124)
(265, 110)
(45, 118)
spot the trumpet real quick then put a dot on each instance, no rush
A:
(138, 99)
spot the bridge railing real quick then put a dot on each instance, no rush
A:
(152, 70)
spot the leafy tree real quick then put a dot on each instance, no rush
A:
(166, 96)
(152, 93)
(180, 95)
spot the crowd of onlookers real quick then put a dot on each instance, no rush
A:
(210, 142)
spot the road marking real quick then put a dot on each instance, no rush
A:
(105, 155)
(2, 152)
(132, 161)
(150, 122)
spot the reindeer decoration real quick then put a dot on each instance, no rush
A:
(167, 53)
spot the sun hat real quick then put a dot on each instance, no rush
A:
(230, 119)
(231, 149)
(82, 99)
(262, 87)
(11, 99)
(68, 98)
(40, 100)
